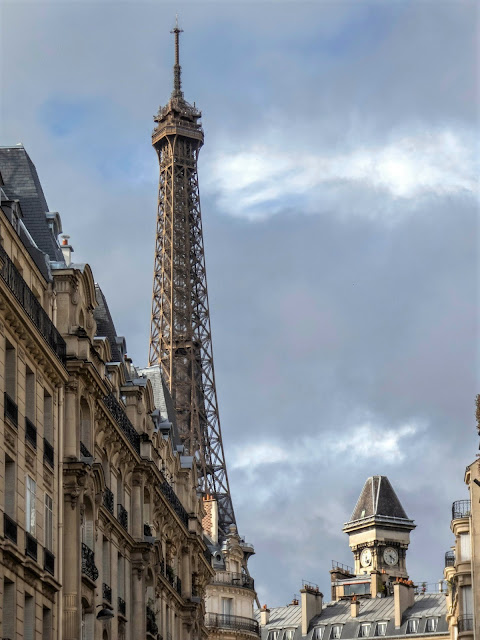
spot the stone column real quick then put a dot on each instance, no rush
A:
(138, 602)
(137, 507)
(72, 555)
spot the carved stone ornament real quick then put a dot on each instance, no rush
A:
(29, 459)
(21, 355)
(9, 439)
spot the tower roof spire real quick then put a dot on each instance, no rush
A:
(177, 69)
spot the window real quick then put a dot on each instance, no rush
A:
(10, 370)
(381, 629)
(273, 635)
(465, 547)
(227, 606)
(30, 395)
(29, 618)
(318, 633)
(289, 633)
(412, 626)
(106, 561)
(47, 624)
(364, 630)
(9, 617)
(336, 631)
(30, 511)
(48, 416)
(48, 522)
(431, 624)
(10, 487)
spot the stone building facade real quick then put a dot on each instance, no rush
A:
(102, 525)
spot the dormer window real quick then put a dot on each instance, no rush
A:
(364, 630)
(318, 633)
(412, 626)
(431, 624)
(381, 629)
(289, 633)
(273, 635)
(336, 631)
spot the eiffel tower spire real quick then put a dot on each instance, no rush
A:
(180, 336)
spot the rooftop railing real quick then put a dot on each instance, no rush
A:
(235, 579)
(450, 558)
(32, 306)
(461, 509)
(224, 621)
(123, 422)
(342, 567)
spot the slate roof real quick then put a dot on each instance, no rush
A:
(428, 605)
(162, 398)
(21, 183)
(378, 499)
(105, 326)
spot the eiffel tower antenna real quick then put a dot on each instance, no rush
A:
(180, 336)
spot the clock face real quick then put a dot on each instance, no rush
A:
(390, 555)
(366, 558)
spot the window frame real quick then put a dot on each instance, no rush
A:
(381, 635)
(48, 522)
(333, 636)
(364, 625)
(412, 622)
(30, 506)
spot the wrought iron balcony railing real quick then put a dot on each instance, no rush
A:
(465, 623)
(48, 453)
(172, 497)
(9, 528)
(235, 579)
(123, 422)
(152, 626)
(49, 561)
(107, 592)
(461, 509)
(30, 433)
(450, 558)
(84, 452)
(178, 585)
(108, 499)
(122, 516)
(88, 563)
(10, 409)
(147, 530)
(122, 607)
(31, 546)
(32, 306)
(224, 621)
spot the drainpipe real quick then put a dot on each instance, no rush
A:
(60, 508)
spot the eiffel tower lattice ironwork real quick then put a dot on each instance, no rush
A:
(180, 336)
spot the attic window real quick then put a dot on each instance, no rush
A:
(273, 635)
(336, 631)
(412, 626)
(431, 624)
(362, 515)
(318, 633)
(381, 629)
(364, 630)
(289, 633)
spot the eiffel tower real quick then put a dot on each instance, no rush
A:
(180, 336)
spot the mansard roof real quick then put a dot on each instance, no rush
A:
(21, 183)
(105, 326)
(378, 499)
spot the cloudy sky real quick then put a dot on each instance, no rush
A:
(340, 202)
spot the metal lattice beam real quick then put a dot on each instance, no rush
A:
(180, 337)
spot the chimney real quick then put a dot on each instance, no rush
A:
(403, 599)
(354, 607)
(264, 616)
(312, 600)
(376, 583)
(210, 520)
(67, 250)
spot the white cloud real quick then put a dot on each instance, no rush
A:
(257, 183)
(359, 443)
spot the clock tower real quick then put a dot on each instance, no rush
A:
(379, 530)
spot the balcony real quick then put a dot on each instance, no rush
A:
(48, 453)
(172, 498)
(49, 561)
(224, 621)
(122, 421)
(31, 546)
(461, 509)
(450, 559)
(10, 410)
(108, 499)
(30, 433)
(465, 623)
(122, 607)
(88, 563)
(32, 306)
(9, 528)
(107, 593)
(151, 622)
(234, 579)
(147, 530)
(122, 516)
